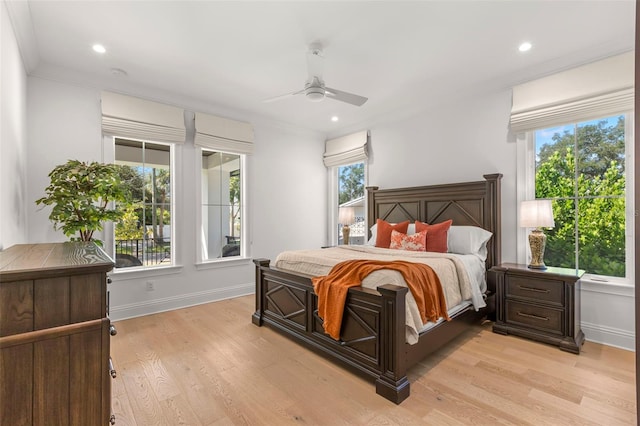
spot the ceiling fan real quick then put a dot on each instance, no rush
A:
(314, 89)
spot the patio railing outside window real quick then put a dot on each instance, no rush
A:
(147, 252)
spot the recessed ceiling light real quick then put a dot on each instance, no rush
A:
(99, 48)
(524, 46)
(334, 118)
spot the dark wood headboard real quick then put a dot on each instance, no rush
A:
(467, 203)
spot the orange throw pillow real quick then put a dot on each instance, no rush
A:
(383, 233)
(436, 235)
(415, 242)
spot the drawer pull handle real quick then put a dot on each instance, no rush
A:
(533, 316)
(112, 419)
(537, 290)
(112, 330)
(112, 371)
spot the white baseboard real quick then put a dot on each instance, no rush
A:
(623, 339)
(117, 313)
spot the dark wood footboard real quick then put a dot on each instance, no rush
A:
(373, 327)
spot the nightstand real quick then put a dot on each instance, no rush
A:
(542, 305)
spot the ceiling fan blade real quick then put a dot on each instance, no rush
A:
(277, 98)
(315, 63)
(349, 98)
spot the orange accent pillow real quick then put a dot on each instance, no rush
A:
(383, 234)
(415, 242)
(436, 235)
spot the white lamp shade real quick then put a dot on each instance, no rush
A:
(346, 215)
(536, 214)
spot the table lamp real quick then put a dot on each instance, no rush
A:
(346, 216)
(537, 214)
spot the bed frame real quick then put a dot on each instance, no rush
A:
(373, 329)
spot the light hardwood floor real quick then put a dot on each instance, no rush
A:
(209, 365)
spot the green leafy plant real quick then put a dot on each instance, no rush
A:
(80, 194)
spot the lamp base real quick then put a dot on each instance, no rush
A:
(345, 234)
(537, 242)
(537, 267)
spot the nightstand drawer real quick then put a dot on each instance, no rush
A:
(538, 290)
(523, 314)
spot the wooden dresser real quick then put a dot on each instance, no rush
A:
(54, 335)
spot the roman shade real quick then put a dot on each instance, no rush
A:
(130, 117)
(346, 149)
(223, 134)
(590, 91)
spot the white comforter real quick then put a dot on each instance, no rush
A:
(462, 276)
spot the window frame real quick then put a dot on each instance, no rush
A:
(332, 201)
(109, 145)
(525, 189)
(245, 254)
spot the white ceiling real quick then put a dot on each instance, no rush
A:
(403, 56)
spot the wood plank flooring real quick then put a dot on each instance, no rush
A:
(209, 365)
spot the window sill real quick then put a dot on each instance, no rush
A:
(613, 288)
(124, 274)
(220, 263)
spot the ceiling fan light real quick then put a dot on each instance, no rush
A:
(314, 94)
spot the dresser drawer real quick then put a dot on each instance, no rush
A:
(538, 290)
(533, 316)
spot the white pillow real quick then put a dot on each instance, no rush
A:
(468, 240)
(372, 241)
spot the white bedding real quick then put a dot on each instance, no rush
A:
(462, 276)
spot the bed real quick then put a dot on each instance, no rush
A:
(373, 339)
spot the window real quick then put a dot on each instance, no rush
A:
(574, 131)
(143, 237)
(222, 146)
(222, 202)
(141, 137)
(582, 168)
(351, 205)
(345, 158)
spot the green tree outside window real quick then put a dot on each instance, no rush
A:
(582, 170)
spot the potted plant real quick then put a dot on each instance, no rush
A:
(80, 194)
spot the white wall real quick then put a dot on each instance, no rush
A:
(285, 173)
(289, 191)
(64, 123)
(608, 314)
(13, 137)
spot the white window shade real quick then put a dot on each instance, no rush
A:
(223, 134)
(130, 117)
(594, 90)
(346, 149)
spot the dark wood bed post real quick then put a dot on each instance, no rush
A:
(393, 383)
(371, 210)
(493, 211)
(256, 318)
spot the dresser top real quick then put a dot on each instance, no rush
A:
(29, 261)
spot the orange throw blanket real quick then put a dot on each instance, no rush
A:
(332, 289)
